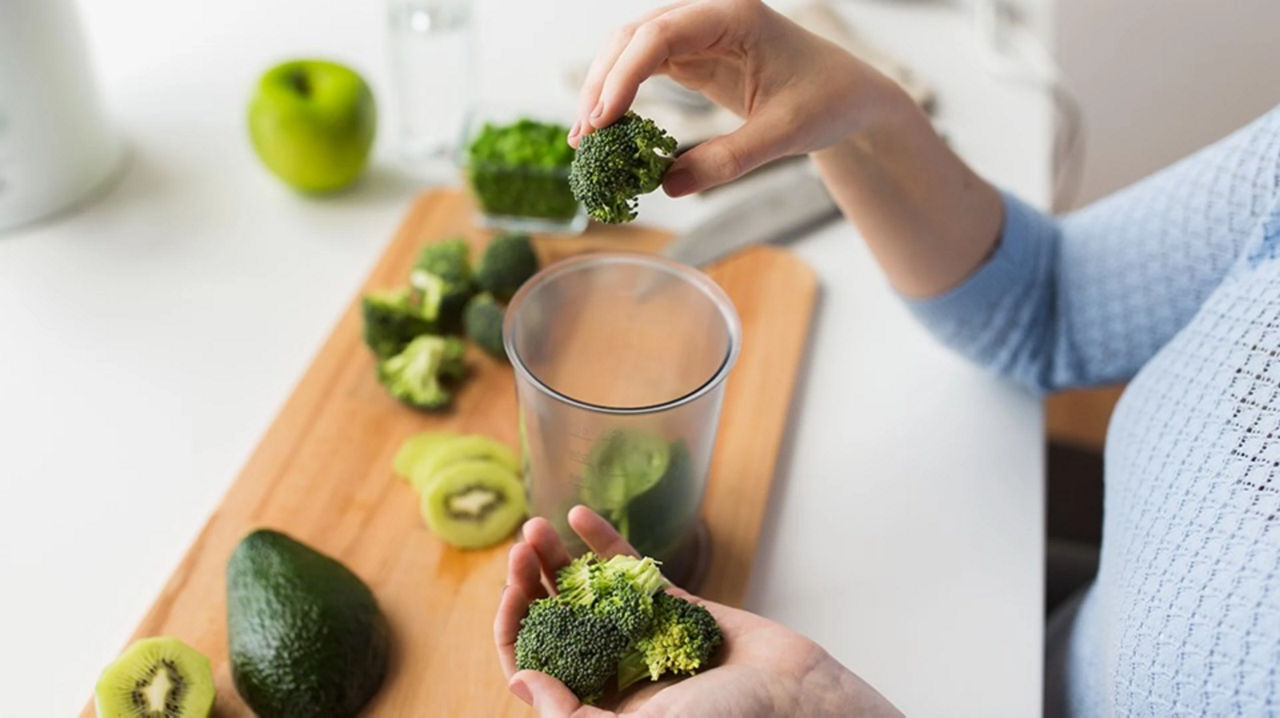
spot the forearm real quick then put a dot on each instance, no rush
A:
(929, 220)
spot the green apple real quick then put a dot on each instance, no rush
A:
(312, 123)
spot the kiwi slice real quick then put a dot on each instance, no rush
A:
(462, 448)
(156, 678)
(474, 503)
(416, 447)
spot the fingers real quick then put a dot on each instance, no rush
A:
(727, 157)
(512, 607)
(639, 51)
(599, 534)
(546, 544)
(549, 697)
(600, 66)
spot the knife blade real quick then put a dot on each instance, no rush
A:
(792, 201)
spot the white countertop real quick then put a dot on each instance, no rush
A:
(148, 340)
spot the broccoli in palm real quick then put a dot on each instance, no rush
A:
(507, 262)
(681, 640)
(616, 164)
(418, 374)
(443, 270)
(610, 618)
(392, 319)
(579, 635)
(482, 320)
(571, 644)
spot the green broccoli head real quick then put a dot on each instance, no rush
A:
(392, 319)
(482, 320)
(507, 262)
(620, 589)
(680, 641)
(418, 374)
(572, 644)
(443, 272)
(616, 164)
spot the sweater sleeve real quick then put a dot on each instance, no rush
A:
(1087, 299)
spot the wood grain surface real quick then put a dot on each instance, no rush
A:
(322, 473)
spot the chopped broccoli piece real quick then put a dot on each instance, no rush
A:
(616, 164)
(417, 374)
(580, 635)
(392, 319)
(508, 261)
(483, 321)
(681, 640)
(443, 269)
(569, 643)
(620, 589)
(611, 618)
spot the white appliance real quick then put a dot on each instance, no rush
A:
(56, 145)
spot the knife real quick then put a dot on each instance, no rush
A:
(792, 201)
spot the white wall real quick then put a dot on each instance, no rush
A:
(1160, 78)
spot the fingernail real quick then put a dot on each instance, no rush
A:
(518, 687)
(678, 182)
(598, 111)
(577, 127)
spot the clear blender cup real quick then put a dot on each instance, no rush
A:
(620, 364)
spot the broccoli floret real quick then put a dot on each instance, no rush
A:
(508, 261)
(572, 644)
(417, 374)
(443, 270)
(392, 319)
(483, 322)
(680, 641)
(620, 589)
(618, 163)
(611, 618)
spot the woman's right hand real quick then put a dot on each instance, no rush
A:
(797, 92)
(764, 668)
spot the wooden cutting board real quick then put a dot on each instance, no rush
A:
(323, 474)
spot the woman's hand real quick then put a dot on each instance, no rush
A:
(795, 90)
(764, 669)
(929, 220)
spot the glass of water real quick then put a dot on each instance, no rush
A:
(620, 364)
(432, 76)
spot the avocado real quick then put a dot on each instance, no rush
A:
(305, 635)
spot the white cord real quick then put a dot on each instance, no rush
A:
(1015, 54)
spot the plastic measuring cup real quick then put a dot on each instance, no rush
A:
(620, 364)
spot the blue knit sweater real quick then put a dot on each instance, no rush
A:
(1174, 285)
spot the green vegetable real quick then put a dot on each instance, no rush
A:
(507, 263)
(571, 644)
(417, 375)
(681, 640)
(443, 272)
(660, 519)
(622, 466)
(521, 170)
(610, 619)
(616, 164)
(483, 323)
(304, 634)
(392, 319)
